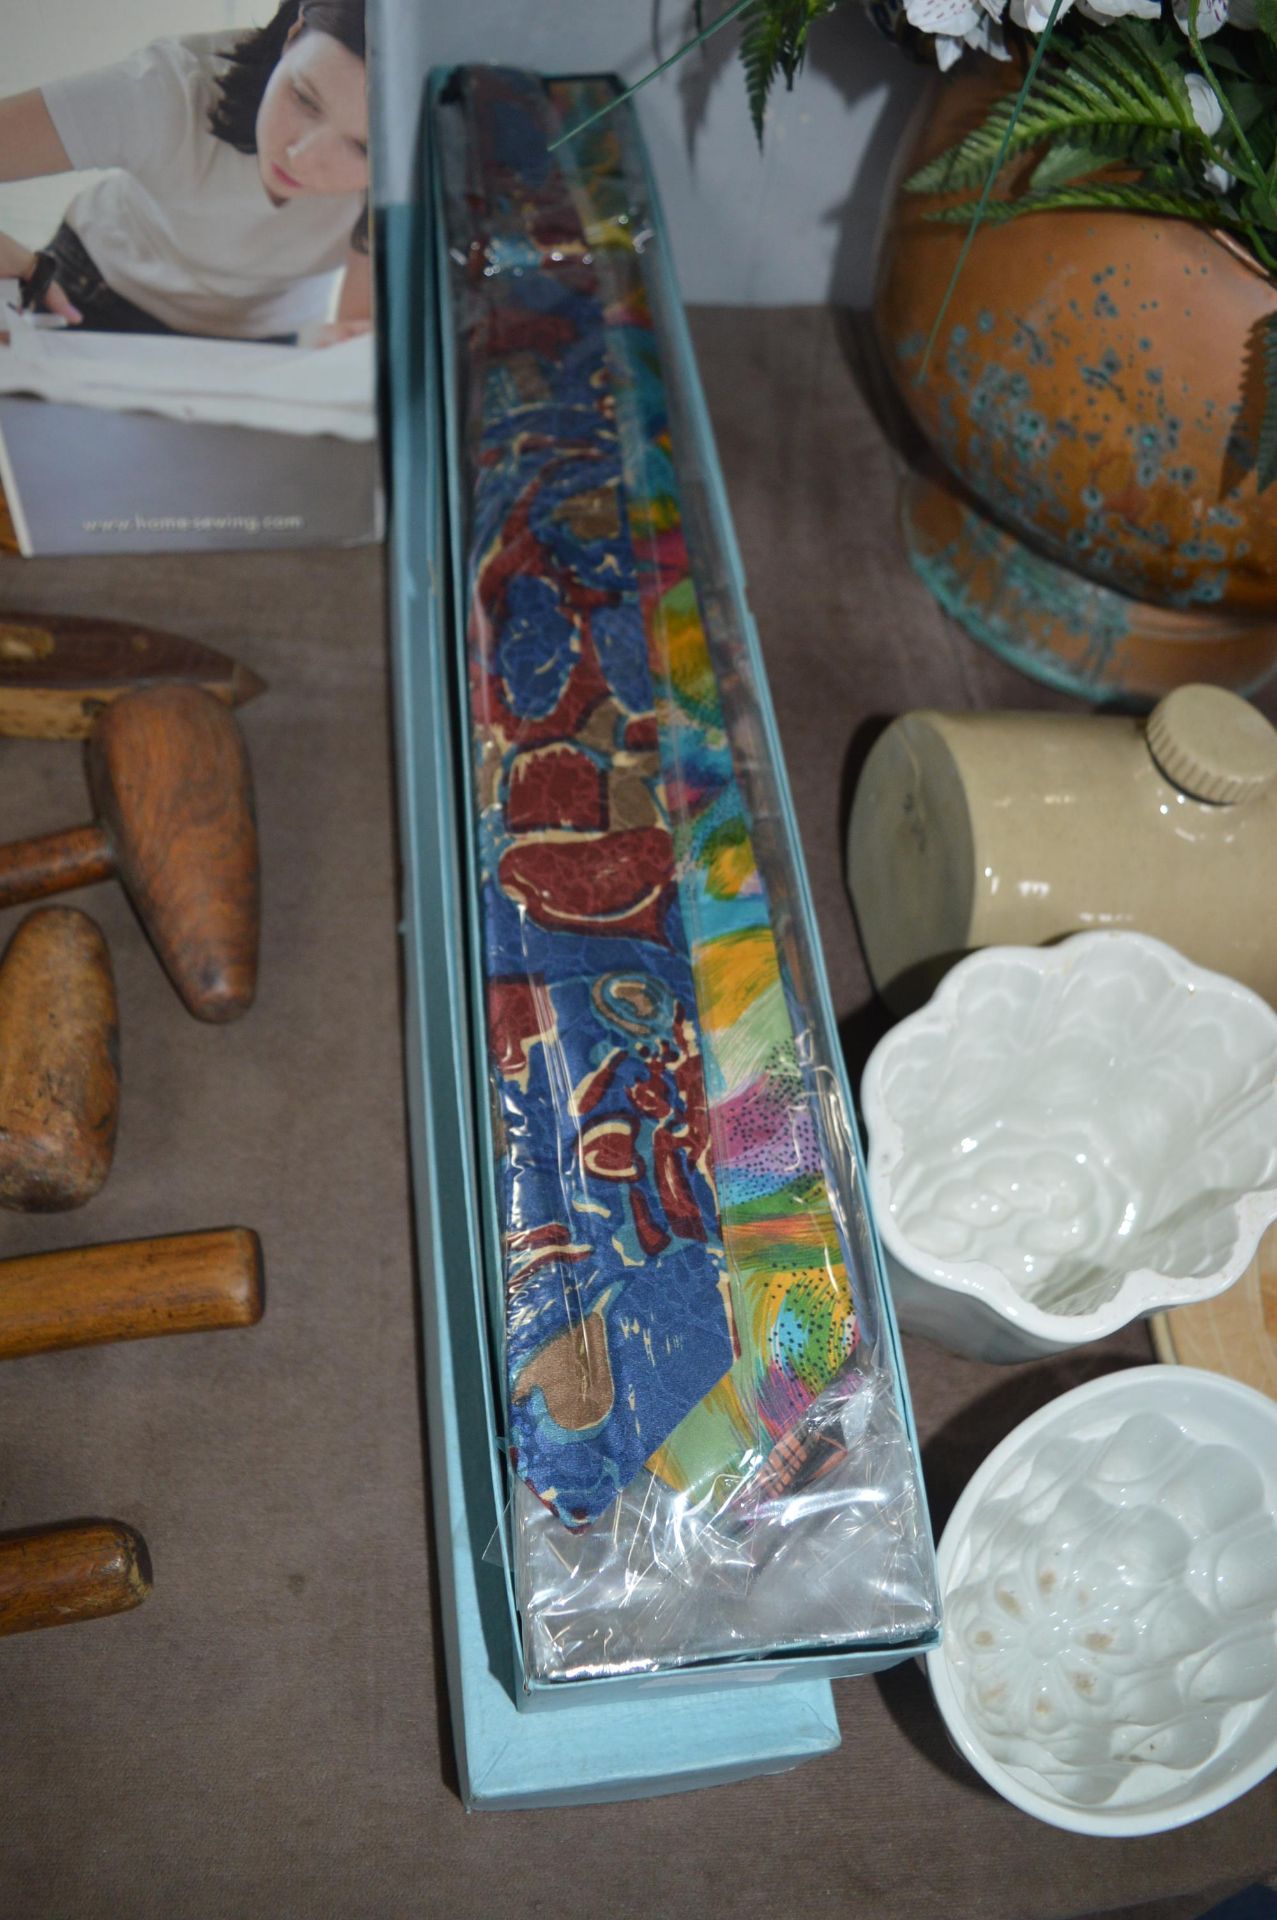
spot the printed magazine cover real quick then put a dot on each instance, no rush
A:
(186, 327)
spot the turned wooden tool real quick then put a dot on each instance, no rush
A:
(130, 1290)
(170, 778)
(58, 671)
(54, 1576)
(59, 1062)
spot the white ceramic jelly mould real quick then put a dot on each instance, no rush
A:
(1068, 1137)
(1109, 1582)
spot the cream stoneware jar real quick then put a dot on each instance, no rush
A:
(971, 830)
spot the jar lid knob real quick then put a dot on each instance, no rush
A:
(1213, 745)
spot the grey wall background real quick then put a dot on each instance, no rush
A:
(795, 223)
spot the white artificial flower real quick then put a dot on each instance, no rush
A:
(989, 38)
(1202, 98)
(1211, 15)
(1209, 116)
(954, 19)
(986, 37)
(1103, 11)
(1034, 14)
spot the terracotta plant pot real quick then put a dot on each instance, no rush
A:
(1095, 393)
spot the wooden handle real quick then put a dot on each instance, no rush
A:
(170, 775)
(54, 863)
(59, 1062)
(1235, 1333)
(130, 1290)
(54, 1576)
(58, 671)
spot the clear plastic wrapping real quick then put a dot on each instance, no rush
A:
(704, 1419)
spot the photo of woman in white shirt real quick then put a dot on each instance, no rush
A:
(237, 184)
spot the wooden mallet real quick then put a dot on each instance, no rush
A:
(59, 1062)
(170, 778)
(188, 1283)
(129, 1290)
(58, 671)
(54, 1576)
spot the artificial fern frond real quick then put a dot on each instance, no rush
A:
(1113, 86)
(1071, 159)
(1105, 197)
(1155, 71)
(761, 38)
(1266, 462)
(774, 40)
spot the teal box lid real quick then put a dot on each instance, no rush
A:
(598, 1746)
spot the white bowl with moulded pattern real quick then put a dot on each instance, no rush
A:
(1069, 1137)
(1109, 1583)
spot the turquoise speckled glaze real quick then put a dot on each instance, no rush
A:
(1094, 391)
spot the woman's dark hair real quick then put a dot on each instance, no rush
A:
(252, 60)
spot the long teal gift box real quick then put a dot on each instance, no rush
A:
(697, 1723)
(598, 1748)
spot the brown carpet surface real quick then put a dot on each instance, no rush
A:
(267, 1735)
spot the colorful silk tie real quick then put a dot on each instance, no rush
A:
(617, 1315)
(795, 1314)
(583, 592)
